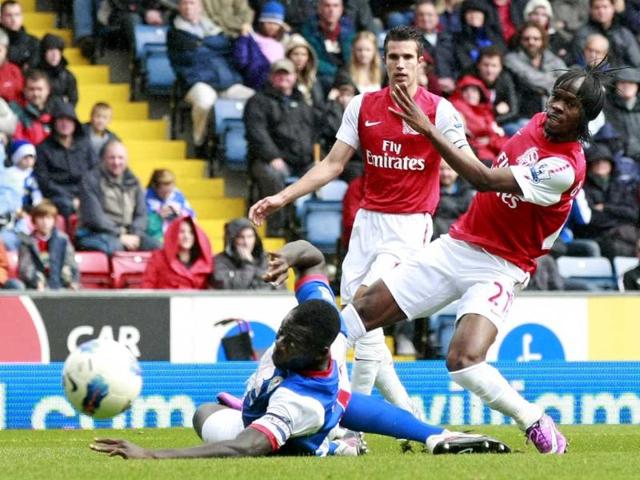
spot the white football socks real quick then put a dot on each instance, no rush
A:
(355, 327)
(488, 384)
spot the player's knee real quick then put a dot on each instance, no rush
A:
(458, 359)
(202, 413)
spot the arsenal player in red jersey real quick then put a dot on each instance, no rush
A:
(523, 201)
(401, 192)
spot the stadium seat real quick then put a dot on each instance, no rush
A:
(322, 224)
(333, 191)
(128, 268)
(230, 134)
(151, 70)
(622, 265)
(594, 271)
(94, 270)
(441, 327)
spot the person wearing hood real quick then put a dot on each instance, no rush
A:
(23, 48)
(622, 110)
(63, 158)
(113, 212)
(471, 99)
(185, 260)
(244, 261)
(614, 205)
(475, 35)
(52, 62)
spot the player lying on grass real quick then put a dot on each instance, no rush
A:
(300, 389)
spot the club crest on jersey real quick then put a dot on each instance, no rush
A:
(540, 172)
(407, 130)
(529, 157)
(274, 383)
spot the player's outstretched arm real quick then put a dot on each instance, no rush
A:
(249, 443)
(299, 255)
(462, 160)
(321, 174)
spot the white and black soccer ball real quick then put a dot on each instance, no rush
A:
(101, 378)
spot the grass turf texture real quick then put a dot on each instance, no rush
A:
(596, 452)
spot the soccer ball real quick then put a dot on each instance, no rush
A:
(101, 378)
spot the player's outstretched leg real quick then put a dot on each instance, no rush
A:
(371, 415)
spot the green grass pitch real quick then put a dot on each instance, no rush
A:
(596, 452)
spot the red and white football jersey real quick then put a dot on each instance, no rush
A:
(402, 168)
(522, 228)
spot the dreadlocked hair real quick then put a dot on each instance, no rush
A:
(591, 93)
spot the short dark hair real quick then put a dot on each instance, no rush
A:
(591, 94)
(490, 51)
(34, 75)
(320, 321)
(403, 33)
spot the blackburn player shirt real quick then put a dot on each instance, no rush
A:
(522, 228)
(297, 409)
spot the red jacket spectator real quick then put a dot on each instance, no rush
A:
(185, 260)
(471, 99)
(11, 81)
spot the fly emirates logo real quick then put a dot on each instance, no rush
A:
(392, 158)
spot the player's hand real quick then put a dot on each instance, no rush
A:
(277, 269)
(119, 448)
(410, 112)
(265, 207)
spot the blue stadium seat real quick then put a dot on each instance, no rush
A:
(322, 224)
(442, 324)
(151, 70)
(595, 271)
(622, 265)
(230, 133)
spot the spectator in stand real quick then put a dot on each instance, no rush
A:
(624, 49)
(185, 260)
(165, 202)
(63, 159)
(365, 68)
(233, 16)
(331, 121)
(304, 59)
(298, 11)
(147, 12)
(330, 34)
(7, 283)
(455, 197)
(427, 23)
(474, 36)
(471, 99)
(32, 109)
(22, 159)
(359, 11)
(547, 277)
(540, 12)
(47, 258)
(280, 135)
(534, 68)
(243, 262)
(626, 167)
(449, 20)
(570, 15)
(23, 48)
(504, 17)
(614, 205)
(623, 110)
(113, 212)
(596, 49)
(52, 62)
(254, 52)
(400, 13)
(631, 278)
(11, 79)
(200, 54)
(502, 90)
(96, 129)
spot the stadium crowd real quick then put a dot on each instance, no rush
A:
(296, 64)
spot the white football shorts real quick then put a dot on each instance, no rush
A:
(379, 242)
(449, 269)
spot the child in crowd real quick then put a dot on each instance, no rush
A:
(165, 202)
(47, 258)
(96, 130)
(52, 62)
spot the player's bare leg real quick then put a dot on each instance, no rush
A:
(467, 366)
